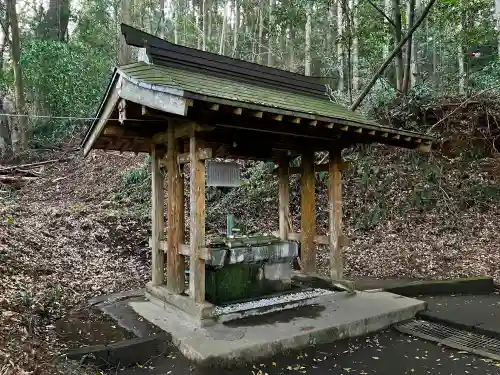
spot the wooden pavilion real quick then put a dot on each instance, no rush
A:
(183, 105)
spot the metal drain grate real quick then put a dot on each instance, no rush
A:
(453, 337)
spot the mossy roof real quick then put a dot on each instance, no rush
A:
(206, 85)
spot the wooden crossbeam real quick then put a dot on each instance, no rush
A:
(204, 153)
(318, 238)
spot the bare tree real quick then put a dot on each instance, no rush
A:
(415, 47)
(497, 16)
(261, 32)
(236, 27)
(223, 32)
(411, 18)
(340, 48)
(5, 140)
(125, 52)
(54, 24)
(20, 127)
(270, 26)
(355, 45)
(396, 17)
(307, 49)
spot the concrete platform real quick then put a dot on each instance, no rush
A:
(330, 318)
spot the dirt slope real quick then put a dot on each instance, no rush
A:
(62, 240)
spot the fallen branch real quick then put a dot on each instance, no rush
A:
(465, 102)
(393, 54)
(53, 161)
(14, 179)
(381, 12)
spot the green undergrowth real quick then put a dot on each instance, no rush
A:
(381, 184)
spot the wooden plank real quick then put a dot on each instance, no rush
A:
(157, 211)
(159, 100)
(181, 131)
(113, 130)
(298, 170)
(175, 261)
(197, 221)
(204, 153)
(335, 214)
(318, 239)
(307, 214)
(204, 253)
(284, 196)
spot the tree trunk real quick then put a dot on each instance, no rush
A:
(20, 125)
(161, 22)
(205, 25)
(197, 17)
(236, 28)
(54, 26)
(5, 41)
(125, 52)
(175, 21)
(393, 54)
(261, 31)
(390, 31)
(5, 141)
(497, 16)
(415, 48)
(330, 36)
(462, 73)
(396, 16)
(355, 47)
(307, 49)
(347, 7)
(223, 32)
(409, 52)
(270, 26)
(340, 49)
(209, 5)
(291, 49)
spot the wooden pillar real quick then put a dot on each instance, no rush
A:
(307, 214)
(175, 233)
(157, 220)
(335, 214)
(197, 221)
(284, 196)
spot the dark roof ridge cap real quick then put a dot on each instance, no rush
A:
(144, 43)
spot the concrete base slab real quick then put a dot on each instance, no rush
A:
(332, 318)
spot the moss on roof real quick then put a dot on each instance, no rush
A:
(224, 88)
